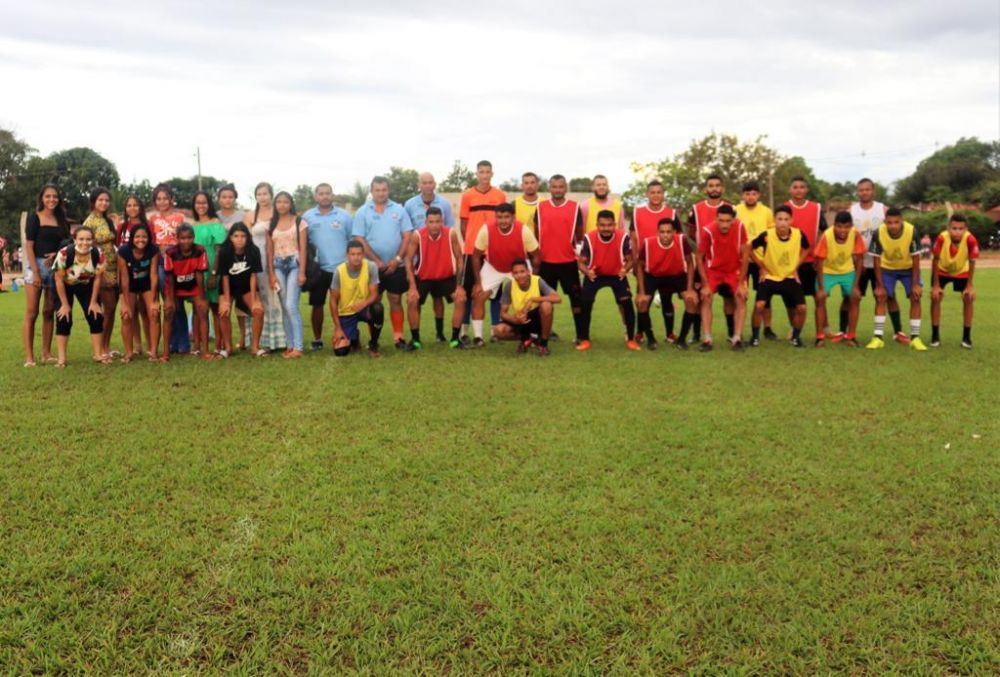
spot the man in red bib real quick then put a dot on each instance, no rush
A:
(722, 264)
(559, 224)
(808, 217)
(497, 246)
(702, 214)
(433, 258)
(605, 260)
(666, 265)
(646, 220)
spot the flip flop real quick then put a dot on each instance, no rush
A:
(60, 365)
(222, 354)
(49, 360)
(261, 353)
(29, 363)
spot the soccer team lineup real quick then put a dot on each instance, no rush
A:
(242, 272)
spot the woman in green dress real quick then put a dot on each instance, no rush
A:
(210, 234)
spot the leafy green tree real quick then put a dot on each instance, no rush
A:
(513, 184)
(459, 178)
(988, 194)
(789, 169)
(303, 196)
(936, 220)
(962, 168)
(17, 186)
(185, 189)
(77, 171)
(403, 183)
(580, 184)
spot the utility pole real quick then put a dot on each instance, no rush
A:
(198, 155)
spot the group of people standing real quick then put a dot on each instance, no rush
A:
(148, 266)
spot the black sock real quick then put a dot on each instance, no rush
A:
(730, 324)
(696, 330)
(967, 334)
(668, 317)
(455, 332)
(629, 314)
(439, 325)
(689, 320)
(415, 334)
(645, 323)
(755, 332)
(843, 321)
(935, 333)
(586, 313)
(543, 342)
(897, 324)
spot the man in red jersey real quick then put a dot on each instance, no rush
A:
(432, 261)
(559, 224)
(605, 260)
(645, 224)
(723, 269)
(702, 214)
(808, 217)
(497, 246)
(665, 265)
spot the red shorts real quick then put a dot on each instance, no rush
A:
(727, 281)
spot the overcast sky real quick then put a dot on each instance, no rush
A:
(294, 92)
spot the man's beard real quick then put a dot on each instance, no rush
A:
(599, 196)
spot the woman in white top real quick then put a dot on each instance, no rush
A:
(273, 336)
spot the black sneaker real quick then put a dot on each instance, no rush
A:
(797, 342)
(413, 346)
(400, 344)
(705, 348)
(441, 338)
(770, 335)
(478, 343)
(317, 344)
(651, 344)
(681, 345)
(967, 345)
(755, 343)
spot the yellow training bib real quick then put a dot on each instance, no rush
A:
(959, 263)
(781, 257)
(524, 212)
(519, 297)
(352, 289)
(839, 256)
(593, 209)
(896, 253)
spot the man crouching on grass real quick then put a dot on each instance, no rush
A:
(526, 309)
(354, 298)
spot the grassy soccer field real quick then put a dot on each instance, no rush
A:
(780, 511)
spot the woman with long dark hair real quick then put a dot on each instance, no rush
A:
(46, 230)
(286, 256)
(273, 335)
(138, 269)
(79, 271)
(99, 221)
(135, 216)
(239, 268)
(164, 221)
(210, 234)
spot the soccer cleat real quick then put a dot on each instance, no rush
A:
(374, 353)
(465, 339)
(967, 345)
(705, 348)
(413, 346)
(820, 341)
(769, 334)
(632, 345)
(638, 337)
(876, 343)
(553, 336)
(400, 344)
(583, 345)
(837, 338)
(917, 344)
(441, 338)
(671, 338)
(737, 346)
(522, 346)
(755, 343)
(543, 351)
(681, 345)
(797, 342)
(651, 344)
(900, 337)
(456, 345)
(317, 344)
(935, 343)
(478, 343)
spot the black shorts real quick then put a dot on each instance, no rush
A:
(469, 277)
(867, 278)
(439, 289)
(753, 274)
(789, 290)
(807, 276)
(957, 283)
(618, 286)
(241, 304)
(395, 283)
(318, 292)
(533, 326)
(673, 284)
(565, 274)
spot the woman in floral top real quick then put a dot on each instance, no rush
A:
(79, 271)
(105, 236)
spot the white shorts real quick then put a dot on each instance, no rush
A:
(491, 278)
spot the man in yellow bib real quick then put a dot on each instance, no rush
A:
(601, 200)
(526, 204)
(526, 309)
(839, 263)
(758, 218)
(897, 261)
(778, 253)
(955, 254)
(354, 298)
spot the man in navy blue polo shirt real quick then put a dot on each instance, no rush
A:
(417, 207)
(329, 229)
(383, 228)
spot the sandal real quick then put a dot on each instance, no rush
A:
(152, 358)
(222, 354)
(261, 353)
(115, 354)
(103, 359)
(49, 360)
(29, 363)
(127, 358)
(60, 365)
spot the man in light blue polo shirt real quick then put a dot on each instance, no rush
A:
(384, 228)
(329, 229)
(417, 207)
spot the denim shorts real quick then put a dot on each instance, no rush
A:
(46, 273)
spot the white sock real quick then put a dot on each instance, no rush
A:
(477, 328)
(879, 325)
(465, 330)
(914, 327)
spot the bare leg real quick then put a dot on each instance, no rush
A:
(32, 296)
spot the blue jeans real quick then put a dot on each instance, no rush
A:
(286, 269)
(180, 337)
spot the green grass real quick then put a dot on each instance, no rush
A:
(777, 511)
